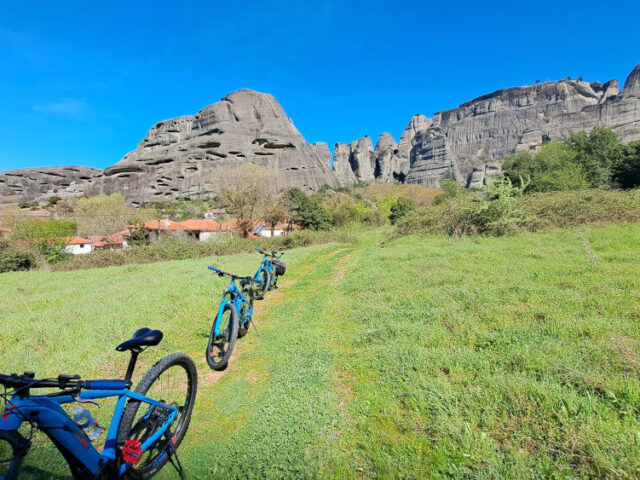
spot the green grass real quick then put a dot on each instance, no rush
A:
(419, 357)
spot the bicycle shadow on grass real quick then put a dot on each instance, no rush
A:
(29, 472)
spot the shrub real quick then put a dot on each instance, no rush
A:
(627, 172)
(400, 209)
(16, 261)
(471, 215)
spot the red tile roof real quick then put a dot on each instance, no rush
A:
(2, 229)
(75, 240)
(160, 225)
(195, 225)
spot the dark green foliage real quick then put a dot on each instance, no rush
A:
(581, 161)
(53, 200)
(399, 209)
(627, 172)
(597, 152)
(308, 212)
(139, 236)
(15, 261)
(54, 252)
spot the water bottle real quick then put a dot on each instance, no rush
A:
(87, 423)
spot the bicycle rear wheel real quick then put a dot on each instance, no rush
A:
(173, 381)
(220, 347)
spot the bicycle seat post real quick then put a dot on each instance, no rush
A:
(132, 363)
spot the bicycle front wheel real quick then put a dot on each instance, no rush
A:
(173, 381)
(263, 284)
(220, 347)
(245, 323)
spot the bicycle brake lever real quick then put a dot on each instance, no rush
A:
(81, 400)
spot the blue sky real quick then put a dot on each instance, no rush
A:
(82, 82)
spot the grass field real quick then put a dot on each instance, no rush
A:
(418, 357)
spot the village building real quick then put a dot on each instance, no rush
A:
(202, 230)
(77, 245)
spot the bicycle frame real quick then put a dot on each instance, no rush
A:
(268, 266)
(236, 299)
(46, 412)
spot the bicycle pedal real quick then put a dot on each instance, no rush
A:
(131, 451)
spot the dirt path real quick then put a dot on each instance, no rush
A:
(261, 309)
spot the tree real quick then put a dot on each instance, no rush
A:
(273, 213)
(139, 236)
(627, 172)
(598, 153)
(400, 209)
(243, 190)
(553, 168)
(308, 212)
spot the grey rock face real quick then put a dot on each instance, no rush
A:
(487, 129)
(632, 84)
(362, 159)
(178, 157)
(28, 184)
(342, 166)
(323, 152)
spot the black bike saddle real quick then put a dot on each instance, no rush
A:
(145, 337)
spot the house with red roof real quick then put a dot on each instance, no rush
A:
(157, 228)
(4, 231)
(202, 230)
(77, 245)
(263, 229)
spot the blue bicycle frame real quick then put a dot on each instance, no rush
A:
(266, 265)
(46, 412)
(236, 298)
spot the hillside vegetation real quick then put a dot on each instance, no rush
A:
(421, 356)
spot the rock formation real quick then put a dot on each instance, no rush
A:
(28, 184)
(468, 143)
(178, 157)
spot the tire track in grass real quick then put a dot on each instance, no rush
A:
(261, 309)
(297, 405)
(248, 371)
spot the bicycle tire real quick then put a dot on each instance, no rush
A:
(229, 336)
(264, 284)
(243, 328)
(151, 466)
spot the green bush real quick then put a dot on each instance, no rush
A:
(472, 215)
(401, 208)
(13, 261)
(179, 249)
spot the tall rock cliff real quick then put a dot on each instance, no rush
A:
(178, 157)
(468, 143)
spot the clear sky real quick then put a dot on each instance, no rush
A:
(82, 82)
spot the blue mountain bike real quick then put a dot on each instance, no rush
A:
(232, 320)
(145, 431)
(268, 272)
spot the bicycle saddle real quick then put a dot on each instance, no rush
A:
(145, 337)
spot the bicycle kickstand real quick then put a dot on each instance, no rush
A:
(173, 454)
(255, 328)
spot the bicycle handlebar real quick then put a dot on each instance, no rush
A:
(230, 275)
(272, 254)
(73, 382)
